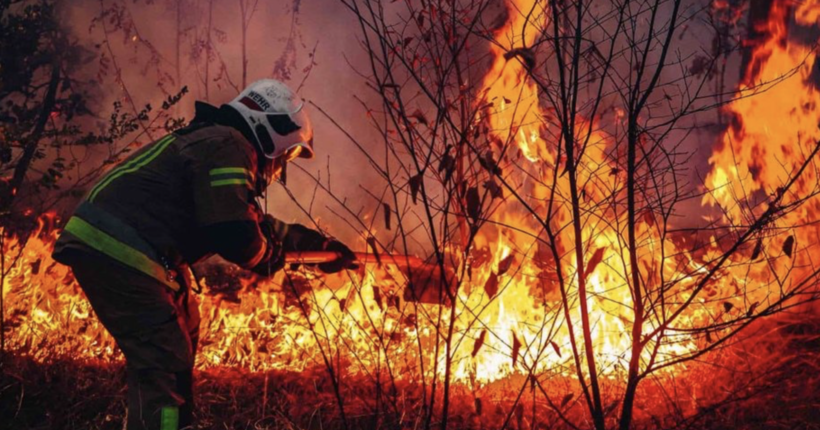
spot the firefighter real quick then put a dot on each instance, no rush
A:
(189, 195)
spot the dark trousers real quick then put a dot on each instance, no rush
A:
(157, 330)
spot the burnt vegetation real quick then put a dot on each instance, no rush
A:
(540, 156)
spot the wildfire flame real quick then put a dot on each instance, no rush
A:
(361, 316)
(775, 124)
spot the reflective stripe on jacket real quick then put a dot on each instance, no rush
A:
(108, 235)
(170, 193)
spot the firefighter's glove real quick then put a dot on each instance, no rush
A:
(347, 261)
(300, 238)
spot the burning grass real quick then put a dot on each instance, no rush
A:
(571, 271)
(777, 386)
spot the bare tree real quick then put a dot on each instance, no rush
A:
(539, 153)
(582, 122)
(209, 46)
(247, 8)
(46, 142)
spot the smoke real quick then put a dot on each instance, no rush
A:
(159, 46)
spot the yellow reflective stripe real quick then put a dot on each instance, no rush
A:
(169, 418)
(133, 166)
(224, 182)
(229, 170)
(104, 243)
(110, 174)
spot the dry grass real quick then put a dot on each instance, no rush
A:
(774, 385)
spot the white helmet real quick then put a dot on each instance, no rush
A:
(275, 115)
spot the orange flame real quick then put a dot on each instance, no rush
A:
(362, 317)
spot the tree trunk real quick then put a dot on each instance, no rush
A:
(30, 149)
(17, 179)
(245, 24)
(208, 48)
(179, 42)
(637, 292)
(178, 49)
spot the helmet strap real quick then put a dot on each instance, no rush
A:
(283, 175)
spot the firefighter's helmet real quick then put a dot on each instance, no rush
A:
(276, 116)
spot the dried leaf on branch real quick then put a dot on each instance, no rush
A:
(479, 342)
(473, 204)
(488, 162)
(420, 20)
(491, 286)
(516, 348)
(447, 164)
(788, 246)
(505, 264)
(649, 218)
(751, 310)
(418, 115)
(387, 212)
(495, 191)
(556, 348)
(377, 297)
(699, 65)
(758, 249)
(415, 185)
(596, 259)
(566, 399)
(371, 242)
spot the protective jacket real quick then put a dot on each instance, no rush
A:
(182, 198)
